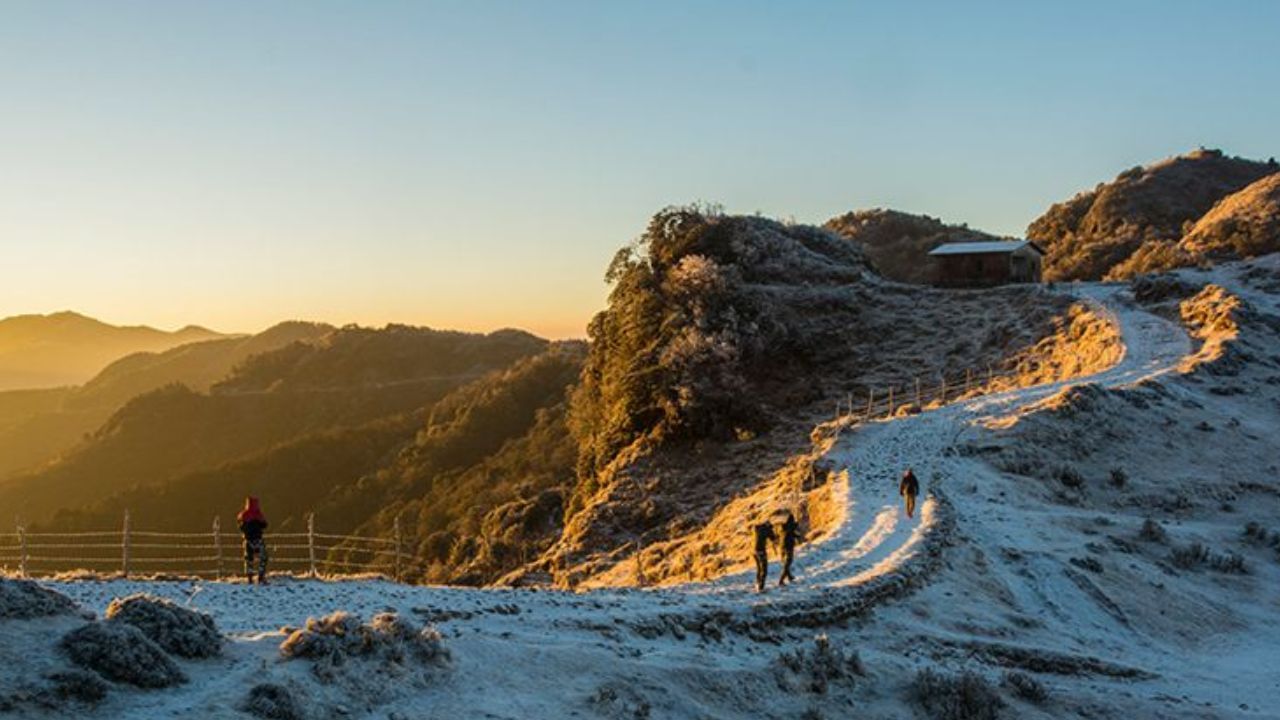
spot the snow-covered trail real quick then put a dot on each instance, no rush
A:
(875, 535)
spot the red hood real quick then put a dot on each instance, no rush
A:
(251, 511)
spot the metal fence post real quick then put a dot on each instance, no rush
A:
(124, 547)
(397, 539)
(217, 545)
(311, 541)
(22, 551)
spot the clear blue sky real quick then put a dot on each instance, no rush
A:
(475, 164)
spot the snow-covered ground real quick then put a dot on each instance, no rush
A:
(1035, 577)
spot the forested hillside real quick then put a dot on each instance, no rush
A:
(477, 478)
(37, 426)
(175, 431)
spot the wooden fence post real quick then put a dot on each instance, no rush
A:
(311, 541)
(919, 397)
(22, 551)
(871, 402)
(217, 545)
(990, 378)
(942, 391)
(968, 377)
(890, 401)
(397, 560)
(124, 547)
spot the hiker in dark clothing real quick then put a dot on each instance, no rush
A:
(790, 536)
(252, 524)
(909, 488)
(764, 533)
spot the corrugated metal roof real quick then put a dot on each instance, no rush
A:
(971, 248)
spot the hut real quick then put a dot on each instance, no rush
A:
(983, 264)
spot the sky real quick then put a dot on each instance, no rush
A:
(475, 164)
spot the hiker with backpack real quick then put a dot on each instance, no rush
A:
(909, 488)
(763, 535)
(252, 525)
(790, 536)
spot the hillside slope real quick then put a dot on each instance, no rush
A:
(725, 340)
(1242, 225)
(38, 425)
(897, 243)
(477, 479)
(175, 431)
(1088, 235)
(67, 348)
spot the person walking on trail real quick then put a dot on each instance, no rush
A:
(790, 536)
(909, 488)
(252, 524)
(763, 533)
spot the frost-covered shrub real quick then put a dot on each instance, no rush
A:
(77, 685)
(1196, 555)
(616, 700)
(821, 665)
(1228, 563)
(966, 696)
(185, 633)
(1153, 531)
(1070, 477)
(1026, 687)
(121, 653)
(24, 599)
(332, 641)
(1189, 556)
(1118, 477)
(273, 702)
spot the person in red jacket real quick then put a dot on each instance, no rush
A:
(252, 524)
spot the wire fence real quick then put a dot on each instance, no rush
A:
(214, 553)
(921, 394)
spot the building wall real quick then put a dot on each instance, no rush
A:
(987, 269)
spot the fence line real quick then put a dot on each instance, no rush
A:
(364, 553)
(882, 403)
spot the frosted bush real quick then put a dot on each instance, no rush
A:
(966, 696)
(183, 632)
(122, 653)
(273, 702)
(332, 641)
(24, 599)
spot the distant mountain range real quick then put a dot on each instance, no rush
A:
(38, 425)
(66, 348)
(305, 380)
